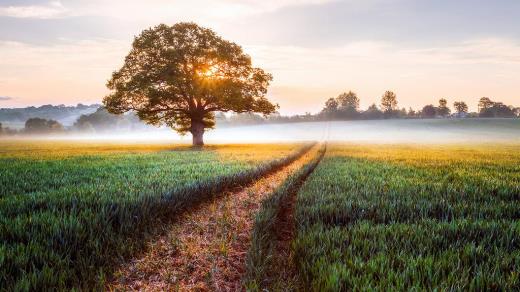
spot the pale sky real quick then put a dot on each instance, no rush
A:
(64, 51)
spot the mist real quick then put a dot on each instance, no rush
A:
(429, 131)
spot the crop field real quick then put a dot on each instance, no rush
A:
(411, 217)
(69, 210)
(366, 216)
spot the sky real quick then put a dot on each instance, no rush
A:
(63, 52)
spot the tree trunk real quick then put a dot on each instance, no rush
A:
(197, 132)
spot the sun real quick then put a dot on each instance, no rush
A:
(211, 71)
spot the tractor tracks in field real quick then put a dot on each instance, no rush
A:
(285, 274)
(206, 248)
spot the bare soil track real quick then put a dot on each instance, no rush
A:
(206, 248)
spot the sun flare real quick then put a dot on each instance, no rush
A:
(210, 72)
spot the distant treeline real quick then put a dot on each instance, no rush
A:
(64, 114)
(96, 119)
(346, 107)
(99, 120)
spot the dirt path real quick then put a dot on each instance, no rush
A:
(205, 250)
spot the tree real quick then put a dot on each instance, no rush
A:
(490, 109)
(348, 105)
(98, 121)
(389, 103)
(461, 108)
(1, 129)
(36, 125)
(498, 110)
(330, 110)
(428, 111)
(40, 126)
(372, 113)
(180, 75)
(517, 111)
(484, 103)
(348, 100)
(411, 113)
(443, 110)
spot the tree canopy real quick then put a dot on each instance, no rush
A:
(443, 110)
(180, 75)
(389, 103)
(41, 126)
(461, 107)
(348, 100)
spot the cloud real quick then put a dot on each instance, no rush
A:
(3, 98)
(65, 72)
(53, 9)
(479, 51)
(304, 77)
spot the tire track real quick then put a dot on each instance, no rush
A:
(205, 250)
(270, 263)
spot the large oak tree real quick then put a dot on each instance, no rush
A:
(180, 75)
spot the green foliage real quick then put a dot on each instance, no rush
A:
(66, 219)
(443, 110)
(40, 126)
(428, 111)
(389, 102)
(461, 107)
(179, 75)
(402, 217)
(348, 101)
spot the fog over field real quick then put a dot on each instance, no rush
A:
(372, 131)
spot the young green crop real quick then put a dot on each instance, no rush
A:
(67, 212)
(411, 217)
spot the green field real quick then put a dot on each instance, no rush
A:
(385, 217)
(70, 210)
(404, 217)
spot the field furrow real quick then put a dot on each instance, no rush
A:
(66, 216)
(206, 248)
(390, 217)
(269, 265)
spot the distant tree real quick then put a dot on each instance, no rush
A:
(517, 111)
(6, 130)
(443, 110)
(402, 113)
(372, 113)
(42, 126)
(36, 125)
(99, 121)
(348, 104)
(247, 119)
(330, 110)
(389, 103)
(180, 75)
(461, 108)
(491, 109)
(331, 105)
(54, 126)
(411, 113)
(484, 103)
(498, 110)
(348, 100)
(428, 111)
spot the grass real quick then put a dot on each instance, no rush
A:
(261, 272)
(411, 217)
(69, 211)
